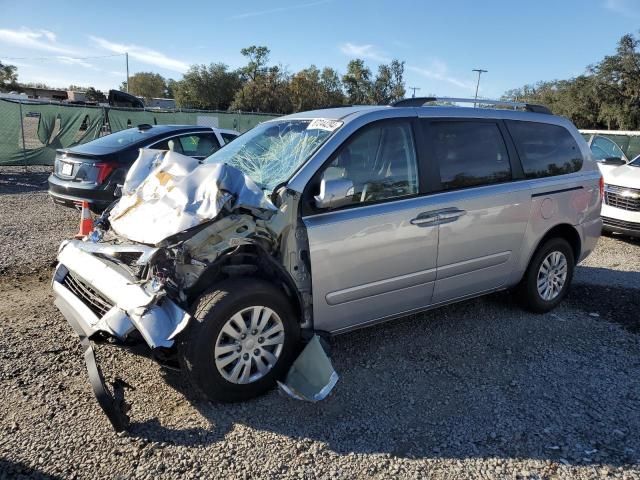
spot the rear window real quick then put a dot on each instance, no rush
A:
(545, 150)
(228, 137)
(123, 138)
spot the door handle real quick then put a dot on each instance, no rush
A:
(448, 216)
(425, 220)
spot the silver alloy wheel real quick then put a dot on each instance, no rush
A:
(249, 345)
(552, 275)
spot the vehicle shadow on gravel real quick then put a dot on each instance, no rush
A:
(481, 379)
(16, 180)
(9, 469)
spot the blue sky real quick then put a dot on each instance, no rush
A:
(441, 42)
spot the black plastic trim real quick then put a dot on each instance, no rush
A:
(553, 192)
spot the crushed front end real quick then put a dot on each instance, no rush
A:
(130, 280)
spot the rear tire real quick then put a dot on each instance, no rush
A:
(237, 364)
(548, 277)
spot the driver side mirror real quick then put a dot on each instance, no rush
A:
(334, 193)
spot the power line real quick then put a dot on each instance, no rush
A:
(54, 57)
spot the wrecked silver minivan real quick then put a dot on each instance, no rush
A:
(322, 222)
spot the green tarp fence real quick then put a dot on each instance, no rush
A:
(31, 132)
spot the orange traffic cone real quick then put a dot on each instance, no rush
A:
(86, 221)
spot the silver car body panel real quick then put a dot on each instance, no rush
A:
(370, 264)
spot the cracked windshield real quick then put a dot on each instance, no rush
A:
(271, 152)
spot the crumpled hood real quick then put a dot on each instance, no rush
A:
(166, 192)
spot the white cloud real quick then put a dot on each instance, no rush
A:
(438, 70)
(142, 54)
(628, 8)
(42, 40)
(258, 13)
(74, 61)
(363, 51)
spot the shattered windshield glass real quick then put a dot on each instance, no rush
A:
(272, 151)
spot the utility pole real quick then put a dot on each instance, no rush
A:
(480, 72)
(126, 56)
(414, 91)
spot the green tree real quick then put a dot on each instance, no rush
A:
(172, 85)
(606, 96)
(257, 57)
(389, 83)
(265, 88)
(305, 90)
(357, 83)
(331, 87)
(146, 84)
(207, 87)
(8, 77)
(618, 81)
(269, 92)
(93, 95)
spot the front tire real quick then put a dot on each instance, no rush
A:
(242, 339)
(548, 277)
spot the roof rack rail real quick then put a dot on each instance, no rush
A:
(421, 101)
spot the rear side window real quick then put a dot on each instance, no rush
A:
(228, 137)
(199, 145)
(469, 153)
(545, 150)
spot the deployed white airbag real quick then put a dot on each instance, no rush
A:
(166, 192)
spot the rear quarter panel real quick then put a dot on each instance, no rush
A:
(571, 199)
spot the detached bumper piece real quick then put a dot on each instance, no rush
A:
(311, 377)
(112, 404)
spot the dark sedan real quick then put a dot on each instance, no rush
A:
(92, 171)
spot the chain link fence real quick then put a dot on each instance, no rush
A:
(32, 131)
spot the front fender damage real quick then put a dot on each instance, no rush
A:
(179, 227)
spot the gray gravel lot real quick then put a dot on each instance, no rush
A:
(480, 389)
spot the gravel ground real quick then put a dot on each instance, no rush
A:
(480, 389)
(31, 226)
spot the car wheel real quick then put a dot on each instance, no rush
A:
(548, 277)
(240, 341)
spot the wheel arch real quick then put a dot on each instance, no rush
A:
(561, 230)
(250, 261)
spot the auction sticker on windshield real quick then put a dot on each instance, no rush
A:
(324, 124)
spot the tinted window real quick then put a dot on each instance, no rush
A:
(228, 137)
(122, 138)
(544, 149)
(469, 153)
(380, 161)
(199, 145)
(194, 145)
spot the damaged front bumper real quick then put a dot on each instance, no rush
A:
(97, 294)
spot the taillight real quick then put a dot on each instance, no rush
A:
(104, 170)
(601, 188)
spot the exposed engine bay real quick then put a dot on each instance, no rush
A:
(181, 226)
